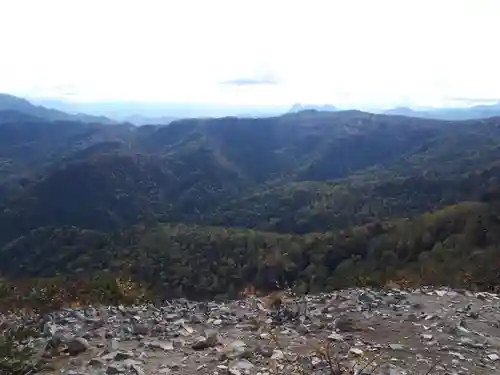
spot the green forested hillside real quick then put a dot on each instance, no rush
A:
(207, 206)
(321, 206)
(458, 245)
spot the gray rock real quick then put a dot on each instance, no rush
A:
(396, 346)
(366, 298)
(393, 370)
(186, 330)
(302, 329)
(392, 301)
(128, 363)
(108, 356)
(77, 346)
(212, 337)
(97, 362)
(335, 337)
(441, 292)
(113, 345)
(140, 329)
(493, 357)
(39, 346)
(356, 351)
(318, 325)
(196, 319)
(137, 369)
(121, 355)
(417, 306)
(163, 345)
(95, 322)
(113, 369)
(241, 364)
(174, 366)
(458, 356)
(265, 350)
(172, 316)
(79, 315)
(49, 329)
(201, 343)
(468, 342)
(278, 355)
(345, 324)
(75, 372)
(473, 314)
(235, 349)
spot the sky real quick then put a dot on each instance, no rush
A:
(273, 52)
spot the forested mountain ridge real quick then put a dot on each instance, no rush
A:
(30, 145)
(456, 246)
(305, 146)
(72, 193)
(321, 206)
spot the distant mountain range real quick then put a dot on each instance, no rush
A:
(140, 113)
(145, 120)
(15, 108)
(12, 106)
(468, 113)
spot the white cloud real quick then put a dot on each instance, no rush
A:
(355, 52)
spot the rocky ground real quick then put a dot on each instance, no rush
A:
(357, 331)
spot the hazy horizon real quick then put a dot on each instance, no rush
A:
(356, 54)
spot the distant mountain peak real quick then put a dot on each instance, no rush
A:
(299, 107)
(451, 114)
(404, 111)
(10, 104)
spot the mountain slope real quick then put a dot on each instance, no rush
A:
(454, 246)
(355, 197)
(112, 191)
(303, 146)
(13, 103)
(323, 206)
(27, 147)
(262, 173)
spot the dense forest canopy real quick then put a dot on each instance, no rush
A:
(204, 207)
